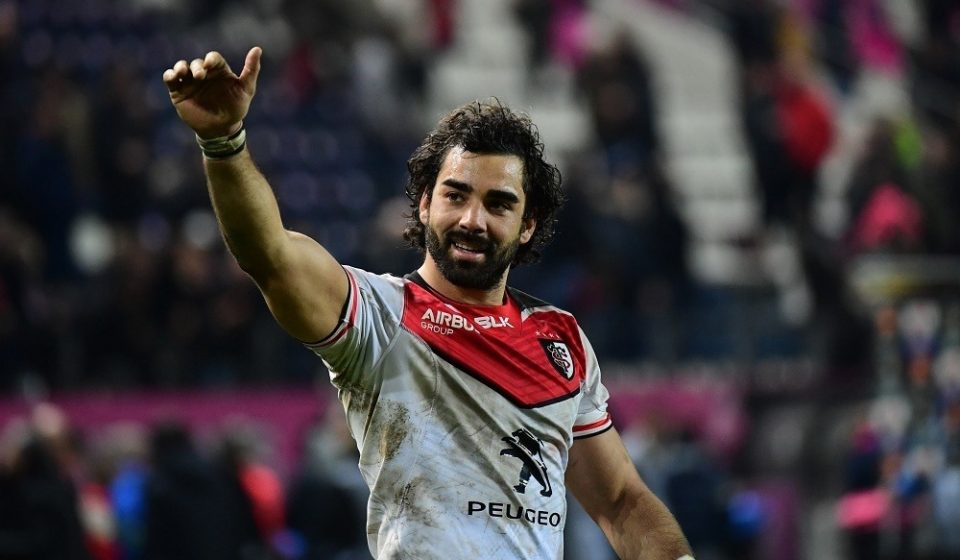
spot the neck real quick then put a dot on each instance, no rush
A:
(432, 275)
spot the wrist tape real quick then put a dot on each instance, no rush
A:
(224, 147)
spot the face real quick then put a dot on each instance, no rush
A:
(474, 218)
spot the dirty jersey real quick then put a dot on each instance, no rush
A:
(464, 416)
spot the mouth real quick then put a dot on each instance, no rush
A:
(470, 250)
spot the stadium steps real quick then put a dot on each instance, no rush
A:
(694, 72)
(489, 59)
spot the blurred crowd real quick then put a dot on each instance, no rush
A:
(900, 481)
(112, 272)
(899, 484)
(170, 488)
(159, 492)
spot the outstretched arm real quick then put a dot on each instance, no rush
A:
(303, 284)
(638, 525)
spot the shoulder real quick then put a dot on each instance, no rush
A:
(550, 317)
(545, 313)
(373, 281)
(530, 305)
(381, 291)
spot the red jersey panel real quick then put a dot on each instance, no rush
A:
(531, 359)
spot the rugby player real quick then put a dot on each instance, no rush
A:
(474, 406)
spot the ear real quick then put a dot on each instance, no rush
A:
(424, 210)
(527, 228)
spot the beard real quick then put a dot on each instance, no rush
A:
(483, 275)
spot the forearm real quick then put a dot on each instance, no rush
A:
(644, 529)
(637, 524)
(247, 212)
(303, 285)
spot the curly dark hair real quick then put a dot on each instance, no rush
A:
(488, 127)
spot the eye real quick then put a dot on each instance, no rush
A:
(454, 196)
(500, 206)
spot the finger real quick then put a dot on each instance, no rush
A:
(170, 79)
(214, 62)
(251, 68)
(197, 70)
(181, 68)
(174, 77)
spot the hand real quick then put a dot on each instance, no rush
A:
(208, 96)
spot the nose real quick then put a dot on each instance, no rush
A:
(474, 218)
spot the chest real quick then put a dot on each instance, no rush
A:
(531, 359)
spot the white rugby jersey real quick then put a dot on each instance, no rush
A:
(464, 416)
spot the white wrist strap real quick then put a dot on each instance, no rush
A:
(223, 147)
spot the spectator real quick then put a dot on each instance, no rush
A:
(535, 16)
(327, 498)
(188, 506)
(616, 82)
(38, 513)
(865, 502)
(255, 490)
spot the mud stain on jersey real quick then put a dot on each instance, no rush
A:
(357, 398)
(394, 425)
(411, 499)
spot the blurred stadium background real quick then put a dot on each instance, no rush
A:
(762, 241)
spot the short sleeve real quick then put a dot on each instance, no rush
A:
(369, 321)
(592, 417)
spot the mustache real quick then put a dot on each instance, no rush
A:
(481, 242)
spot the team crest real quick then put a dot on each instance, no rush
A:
(559, 356)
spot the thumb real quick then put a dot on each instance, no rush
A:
(251, 69)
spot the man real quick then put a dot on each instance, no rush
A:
(465, 397)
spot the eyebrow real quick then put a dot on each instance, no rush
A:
(458, 185)
(496, 194)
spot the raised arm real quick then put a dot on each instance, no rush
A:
(602, 477)
(303, 284)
